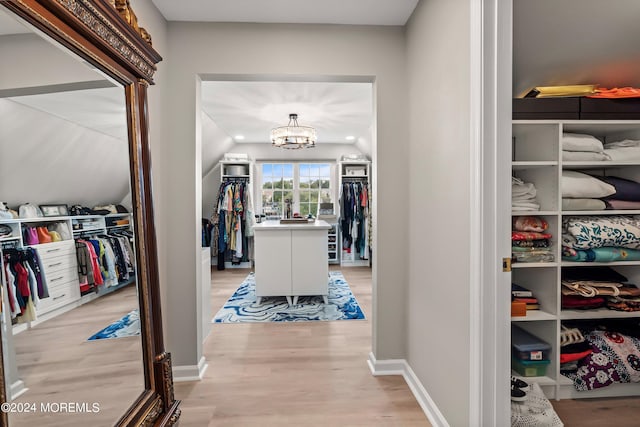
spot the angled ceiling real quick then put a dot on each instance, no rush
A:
(9, 24)
(101, 110)
(352, 12)
(251, 109)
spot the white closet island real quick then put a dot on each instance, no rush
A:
(291, 260)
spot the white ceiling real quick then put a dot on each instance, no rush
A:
(102, 110)
(353, 12)
(252, 109)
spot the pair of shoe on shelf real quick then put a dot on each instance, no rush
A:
(517, 392)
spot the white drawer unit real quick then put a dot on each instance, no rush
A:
(61, 277)
(56, 249)
(59, 296)
(60, 270)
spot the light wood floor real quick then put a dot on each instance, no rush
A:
(618, 412)
(294, 374)
(260, 374)
(58, 364)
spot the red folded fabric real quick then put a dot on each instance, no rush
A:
(616, 92)
(578, 301)
(570, 357)
(529, 235)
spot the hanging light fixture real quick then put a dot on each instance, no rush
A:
(293, 136)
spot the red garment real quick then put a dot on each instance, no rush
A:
(529, 235)
(570, 357)
(22, 282)
(97, 275)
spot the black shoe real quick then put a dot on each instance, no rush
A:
(518, 383)
(517, 395)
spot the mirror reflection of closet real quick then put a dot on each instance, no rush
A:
(64, 141)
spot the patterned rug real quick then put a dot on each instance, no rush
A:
(242, 307)
(127, 326)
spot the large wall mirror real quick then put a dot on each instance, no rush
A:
(80, 325)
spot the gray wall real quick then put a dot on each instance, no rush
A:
(256, 49)
(557, 42)
(20, 72)
(437, 301)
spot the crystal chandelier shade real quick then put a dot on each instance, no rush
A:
(293, 136)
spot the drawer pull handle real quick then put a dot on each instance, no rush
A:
(57, 278)
(53, 265)
(55, 298)
(53, 250)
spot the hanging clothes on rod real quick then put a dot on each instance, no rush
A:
(232, 223)
(23, 281)
(355, 221)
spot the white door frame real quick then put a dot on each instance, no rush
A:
(491, 93)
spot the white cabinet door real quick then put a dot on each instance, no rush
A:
(273, 262)
(309, 262)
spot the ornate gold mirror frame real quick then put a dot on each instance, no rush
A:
(106, 34)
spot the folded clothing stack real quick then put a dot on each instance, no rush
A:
(573, 348)
(529, 240)
(626, 150)
(601, 238)
(596, 287)
(581, 191)
(523, 195)
(582, 147)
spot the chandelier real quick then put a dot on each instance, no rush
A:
(293, 136)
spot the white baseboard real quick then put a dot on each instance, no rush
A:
(16, 390)
(190, 372)
(401, 367)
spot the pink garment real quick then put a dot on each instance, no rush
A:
(622, 204)
(97, 276)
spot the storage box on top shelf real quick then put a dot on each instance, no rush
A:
(610, 109)
(546, 108)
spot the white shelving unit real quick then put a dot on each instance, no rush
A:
(59, 259)
(332, 243)
(537, 158)
(352, 170)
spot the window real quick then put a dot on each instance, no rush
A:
(313, 187)
(305, 184)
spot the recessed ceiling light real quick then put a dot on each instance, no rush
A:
(238, 137)
(350, 138)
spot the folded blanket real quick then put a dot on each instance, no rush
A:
(588, 232)
(626, 189)
(623, 143)
(538, 243)
(599, 273)
(604, 254)
(580, 185)
(525, 206)
(623, 303)
(615, 359)
(581, 142)
(584, 156)
(530, 223)
(578, 302)
(583, 205)
(529, 235)
(623, 154)
(621, 204)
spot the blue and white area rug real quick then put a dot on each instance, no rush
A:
(127, 326)
(242, 306)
